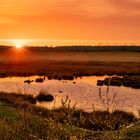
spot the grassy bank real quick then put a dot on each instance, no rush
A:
(67, 69)
(21, 119)
(66, 64)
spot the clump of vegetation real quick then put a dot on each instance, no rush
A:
(28, 81)
(114, 81)
(100, 82)
(39, 80)
(107, 99)
(14, 98)
(96, 121)
(103, 120)
(131, 81)
(44, 97)
(61, 77)
(127, 81)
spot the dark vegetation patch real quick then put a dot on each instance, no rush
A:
(97, 121)
(127, 81)
(28, 81)
(131, 81)
(102, 120)
(100, 82)
(39, 80)
(69, 70)
(45, 97)
(14, 98)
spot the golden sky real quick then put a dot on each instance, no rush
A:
(110, 20)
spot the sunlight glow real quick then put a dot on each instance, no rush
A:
(18, 43)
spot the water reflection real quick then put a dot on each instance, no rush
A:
(82, 91)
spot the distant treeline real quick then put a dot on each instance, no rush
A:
(80, 48)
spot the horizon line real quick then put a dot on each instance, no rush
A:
(68, 42)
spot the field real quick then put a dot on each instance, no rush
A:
(59, 63)
(20, 118)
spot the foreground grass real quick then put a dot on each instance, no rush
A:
(132, 132)
(26, 121)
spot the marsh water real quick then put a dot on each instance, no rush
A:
(82, 91)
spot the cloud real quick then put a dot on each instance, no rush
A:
(96, 7)
(36, 7)
(90, 8)
(82, 19)
(126, 6)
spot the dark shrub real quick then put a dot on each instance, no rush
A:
(3, 75)
(45, 97)
(136, 85)
(50, 77)
(106, 81)
(114, 81)
(103, 120)
(131, 81)
(100, 82)
(59, 77)
(28, 81)
(39, 80)
(68, 77)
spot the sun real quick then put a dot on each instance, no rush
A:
(18, 45)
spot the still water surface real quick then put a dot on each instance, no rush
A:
(82, 91)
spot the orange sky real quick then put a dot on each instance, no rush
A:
(109, 20)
